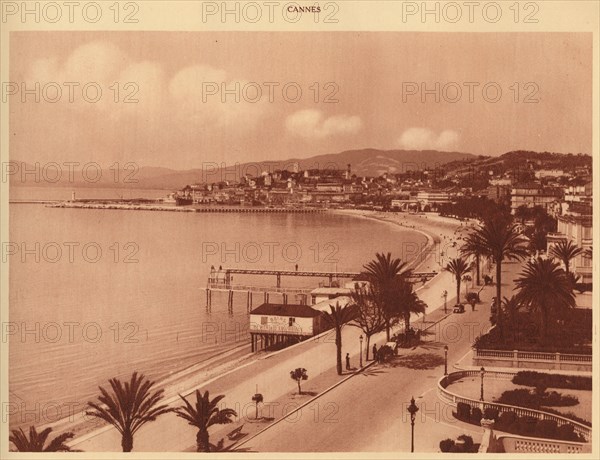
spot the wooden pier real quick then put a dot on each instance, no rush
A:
(221, 279)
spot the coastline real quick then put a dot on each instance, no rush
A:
(186, 380)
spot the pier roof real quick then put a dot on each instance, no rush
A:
(276, 309)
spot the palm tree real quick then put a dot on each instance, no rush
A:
(500, 240)
(565, 251)
(545, 288)
(382, 274)
(471, 247)
(338, 317)
(203, 415)
(511, 308)
(129, 407)
(36, 441)
(409, 302)
(458, 267)
(466, 278)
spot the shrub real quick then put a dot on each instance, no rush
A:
(476, 415)
(566, 432)
(570, 415)
(556, 399)
(490, 413)
(520, 397)
(546, 429)
(472, 298)
(446, 445)
(463, 411)
(532, 379)
(468, 440)
(526, 426)
(506, 420)
(583, 287)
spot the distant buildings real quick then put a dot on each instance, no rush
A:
(575, 225)
(532, 195)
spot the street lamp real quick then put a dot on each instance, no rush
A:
(412, 410)
(445, 359)
(482, 372)
(361, 348)
(445, 296)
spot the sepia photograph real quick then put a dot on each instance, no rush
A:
(312, 229)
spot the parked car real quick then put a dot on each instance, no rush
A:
(459, 308)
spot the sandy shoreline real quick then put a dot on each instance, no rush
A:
(186, 380)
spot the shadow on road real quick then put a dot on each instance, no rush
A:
(418, 361)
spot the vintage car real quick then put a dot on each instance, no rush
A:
(459, 308)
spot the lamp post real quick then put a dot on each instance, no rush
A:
(361, 349)
(412, 410)
(445, 296)
(445, 359)
(482, 372)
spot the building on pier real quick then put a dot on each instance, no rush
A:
(325, 293)
(273, 324)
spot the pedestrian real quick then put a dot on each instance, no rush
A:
(296, 267)
(374, 352)
(347, 361)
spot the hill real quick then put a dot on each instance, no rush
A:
(364, 162)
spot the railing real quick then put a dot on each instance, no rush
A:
(454, 399)
(516, 356)
(251, 288)
(521, 444)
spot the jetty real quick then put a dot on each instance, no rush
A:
(221, 279)
(135, 205)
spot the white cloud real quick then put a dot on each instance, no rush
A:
(313, 125)
(426, 139)
(209, 97)
(142, 89)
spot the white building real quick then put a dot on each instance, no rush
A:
(576, 226)
(272, 324)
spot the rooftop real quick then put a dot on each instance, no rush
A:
(276, 309)
(331, 291)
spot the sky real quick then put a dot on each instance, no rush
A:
(169, 98)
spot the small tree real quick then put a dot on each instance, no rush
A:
(369, 315)
(257, 398)
(298, 375)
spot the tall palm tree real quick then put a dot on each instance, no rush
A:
(409, 302)
(500, 240)
(458, 267)
(545, 288)
(472, 247)
(337, 318)
(36, 442)
(511, 308)
(565, 251)
(203, 415)
(129, 407)
(382, 273)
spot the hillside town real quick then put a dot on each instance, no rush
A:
(533, 187)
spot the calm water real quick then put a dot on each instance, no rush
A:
(132, 300)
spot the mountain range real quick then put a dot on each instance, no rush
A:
(363, 162)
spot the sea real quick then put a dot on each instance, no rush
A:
(97, 294)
